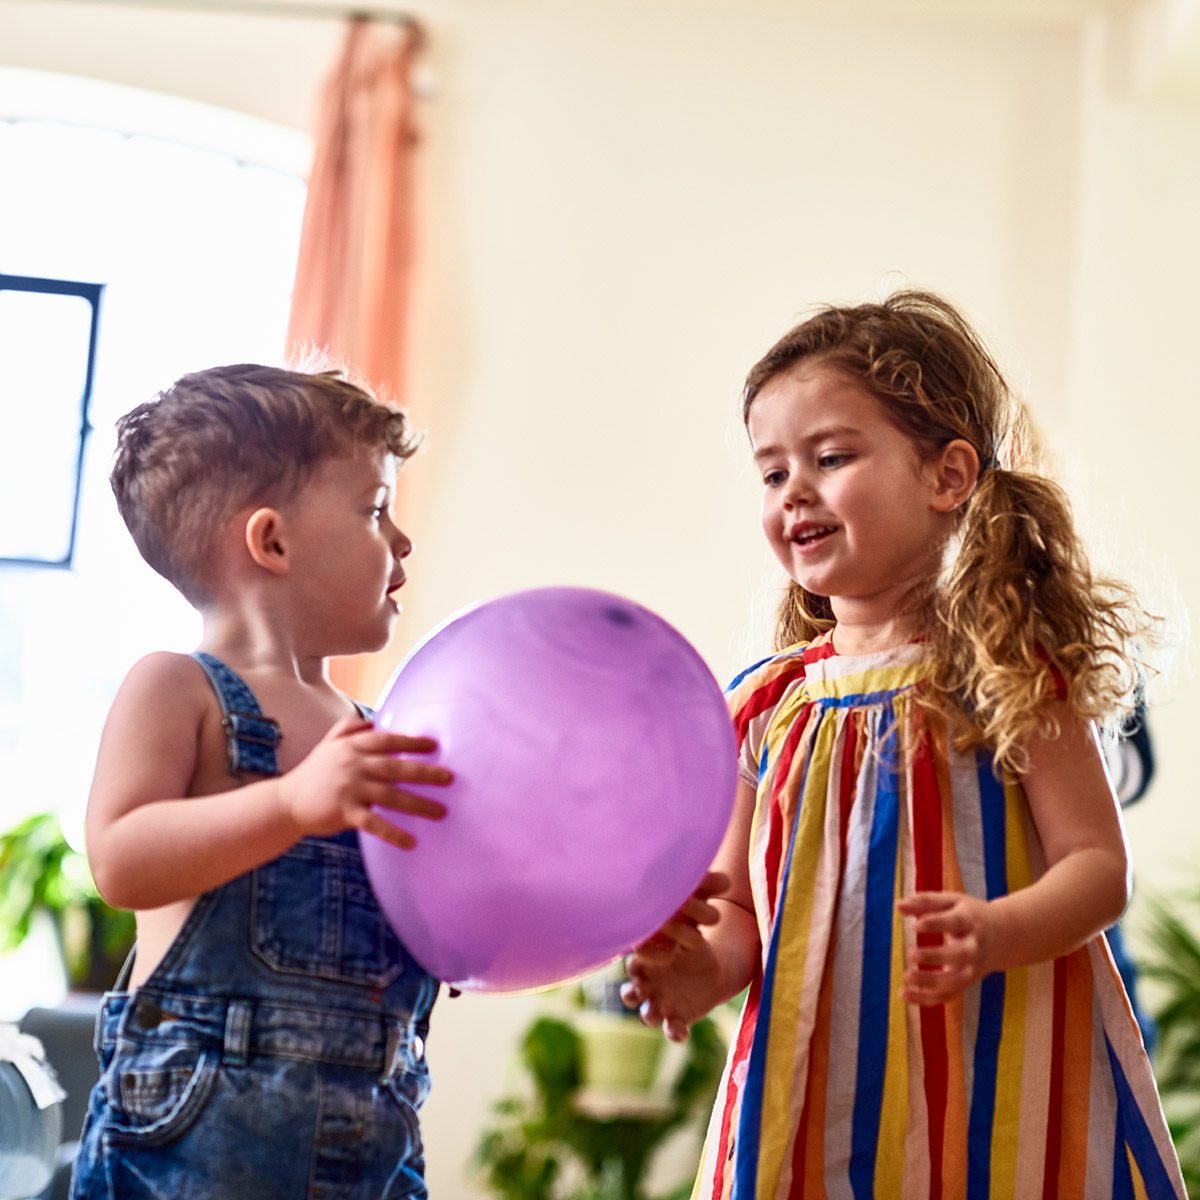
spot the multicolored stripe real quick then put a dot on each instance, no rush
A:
(1033, 1084)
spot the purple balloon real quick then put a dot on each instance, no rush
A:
(594, 777)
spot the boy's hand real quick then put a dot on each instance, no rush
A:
(352, 770)
(953, 947)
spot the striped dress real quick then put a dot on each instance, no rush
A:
(1032, 1084)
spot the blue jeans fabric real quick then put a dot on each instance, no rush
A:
(276, 1053)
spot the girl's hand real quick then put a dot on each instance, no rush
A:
(675, 992)
(354, 769)
(682, 930)
(672, 973)
(954, 945)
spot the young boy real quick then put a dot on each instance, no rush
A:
(271, 1040)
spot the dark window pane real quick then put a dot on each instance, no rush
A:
(46, 332)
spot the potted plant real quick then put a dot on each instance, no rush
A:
(557, 1143)
(41, 871)
(621, 1056)
(1173, 963)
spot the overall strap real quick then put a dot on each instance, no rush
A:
(252, 737)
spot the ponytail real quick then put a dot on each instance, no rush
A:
(1020, 619)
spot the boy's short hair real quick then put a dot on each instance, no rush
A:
(231, 437)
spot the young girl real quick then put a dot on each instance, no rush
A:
(925, 846)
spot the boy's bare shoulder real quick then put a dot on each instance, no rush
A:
(165, 674)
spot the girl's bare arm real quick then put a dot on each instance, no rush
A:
(1084, 889)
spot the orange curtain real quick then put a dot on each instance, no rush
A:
(350, 298)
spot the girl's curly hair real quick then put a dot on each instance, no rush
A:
(1017, 616)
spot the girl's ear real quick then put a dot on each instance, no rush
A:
(956, 471)
(265, 540)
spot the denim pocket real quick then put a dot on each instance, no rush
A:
(411, 1086)
(314, 914)
(407, 1181)
(157, 1090)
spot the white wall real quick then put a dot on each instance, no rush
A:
(1135, 426)
(624, 204)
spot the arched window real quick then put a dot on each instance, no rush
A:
(189, 216)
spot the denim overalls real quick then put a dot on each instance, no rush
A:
(278, 1049)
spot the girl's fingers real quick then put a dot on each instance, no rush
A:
(682, 934)
(699, 912)
(949, 954)
(931, 997)
(655, 950)
(919, 992)
(951, 922)
(921, 903)
(713, 884)
(649, 1014)
(922, 1000)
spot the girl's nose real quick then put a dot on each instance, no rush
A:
(401, 544)
(798, 491)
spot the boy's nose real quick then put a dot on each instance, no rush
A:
(401, 544)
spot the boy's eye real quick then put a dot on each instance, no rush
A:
(774, 478)
(833, 459)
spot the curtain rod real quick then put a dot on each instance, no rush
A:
(286, 8)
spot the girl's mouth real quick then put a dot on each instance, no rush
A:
(809, 534)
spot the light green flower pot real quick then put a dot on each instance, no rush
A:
(620, 1053)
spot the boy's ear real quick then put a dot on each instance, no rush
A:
(265, 540)
(956, 472)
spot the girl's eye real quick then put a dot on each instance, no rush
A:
(378, 511)
(833, 459)
(774, 478)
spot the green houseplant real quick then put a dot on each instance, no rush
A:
(41, 871)
(1172, 963)
(551, 1145)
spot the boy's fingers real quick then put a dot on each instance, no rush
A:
(405, 770)
(383, 828)
(386, 795)
(383, 741)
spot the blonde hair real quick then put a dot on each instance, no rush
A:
(1017, 616)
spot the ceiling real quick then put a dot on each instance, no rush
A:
(1152, 46)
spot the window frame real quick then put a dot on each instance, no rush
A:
(91, 293)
